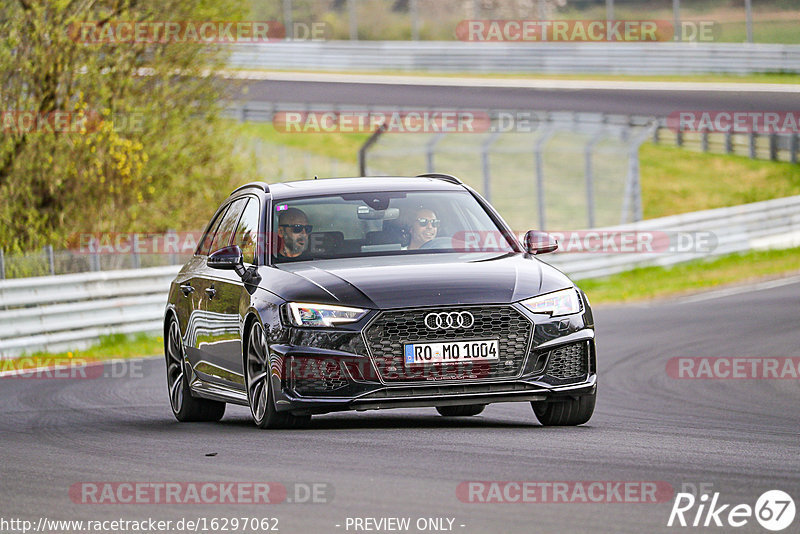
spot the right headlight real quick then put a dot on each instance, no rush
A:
(564, 302)
(322, 315)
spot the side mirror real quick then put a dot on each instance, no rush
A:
(538, 242)
(226, 258)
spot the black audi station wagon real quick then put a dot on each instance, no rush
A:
(317, 296)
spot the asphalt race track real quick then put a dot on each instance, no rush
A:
(616, 101)
(742, 436)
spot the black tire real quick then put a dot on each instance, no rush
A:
(185, 407)
(259, 386)
(460, 411)
(569, 412)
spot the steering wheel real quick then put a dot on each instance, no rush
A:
(437, 242)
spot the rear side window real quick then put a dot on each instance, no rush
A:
(224, 234)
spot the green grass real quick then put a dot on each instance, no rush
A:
(114, 346)
(675, 180)
(658, 282)
(340, 146)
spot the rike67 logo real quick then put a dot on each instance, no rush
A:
(774, 510)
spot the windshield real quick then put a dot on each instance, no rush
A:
(384, 223)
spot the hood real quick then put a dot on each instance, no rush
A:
(418, 280)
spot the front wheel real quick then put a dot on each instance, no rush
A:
(567, 412)
(185, 407)
(460, 411)
(259, 386)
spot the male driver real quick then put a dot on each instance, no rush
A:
(424, 226)
(293, 229)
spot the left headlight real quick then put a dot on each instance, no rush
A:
(322, 315)
(564, 302)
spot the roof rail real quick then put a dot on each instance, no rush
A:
(258, 185)
(441, 176)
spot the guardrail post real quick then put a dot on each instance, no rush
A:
(752, 143)
(793, 148)
(2, 265)
(48, 252)
(679, 137)
(704, 140)
(243, 112)
(728, 143)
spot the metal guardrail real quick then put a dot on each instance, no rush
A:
(552, 57)
(65, 312)
(760, 225)
(57, 313)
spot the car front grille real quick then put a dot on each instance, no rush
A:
(388, 333)
(569, 361)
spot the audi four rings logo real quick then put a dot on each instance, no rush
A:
(449, 320)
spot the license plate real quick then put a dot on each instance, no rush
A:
(484, 350)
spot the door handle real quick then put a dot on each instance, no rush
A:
(187, 289)
(210, 291)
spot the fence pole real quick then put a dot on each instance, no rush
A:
(353, 16)
(287, 19)
(676, 16)
(538, 149)
(2, 265)
(48, 251)
(487, 178)
(704, 140)
(173, 256)
(728, 143)
(752, 143)
(135, 252)
(430, 150)
(362, 152)
(94, 248)
(773, 147)
(793, 148)
(413, 11)
(588, 172)
(748, 17)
